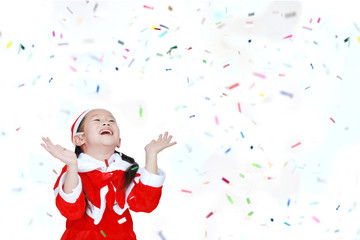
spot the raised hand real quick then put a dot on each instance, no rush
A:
(160, 144)
(66, 156)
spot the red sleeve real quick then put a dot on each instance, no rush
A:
(71, 211)
(144, 198)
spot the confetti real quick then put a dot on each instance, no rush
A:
(316, 219)
(296, 145)
(53, 33)
(332, 120)
(216, 120)
(228, 150)
(22, 47)
(106, 163)
(288, 203)
(55, 171)
(204, 61)
(49, 214)
(242, 175)
(251, 14)
(287, 223)
(159, 54)
(50, 80)
(289, 15)
(148, 7)
(72, 68)
(286, 94)
(161, 236)
(338, 207)
(225, 180)
(346, 39)
(9, 44)
(234, 86)
(186, 191)
(359, 39)
(141, 111)
(230, 200)
(164, 26)
(192, 116)
(259, 75)
(21, 85)
(121, 42)
(226, 65)
(133, 168)
(131, 62)
(248, 200)
(97, 88)
(18, 129)
(102, 232)
(256, 165)
(242, 134)
(252, 85)
(250, 213)
(307, 28)
(339, 77)
(122, 220)
(69, 10)
(163, 34)
(239, 108)
(318, 21)
(311, 66)
(209, 215)
(288, 36)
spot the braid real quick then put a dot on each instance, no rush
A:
(130, 172)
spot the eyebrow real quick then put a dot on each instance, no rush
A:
(97, 115)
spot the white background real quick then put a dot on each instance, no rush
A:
(71, 50)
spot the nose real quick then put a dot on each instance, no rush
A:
(106, 123)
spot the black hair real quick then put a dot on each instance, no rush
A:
(128, 176)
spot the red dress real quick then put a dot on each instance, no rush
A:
(108, 215)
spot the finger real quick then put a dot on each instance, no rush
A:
(160, 137)
(169, 139)
(166, 135)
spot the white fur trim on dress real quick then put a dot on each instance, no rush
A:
(68, 197)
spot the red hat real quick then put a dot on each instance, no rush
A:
(75, 126)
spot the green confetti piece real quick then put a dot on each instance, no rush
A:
(134, 168)
(229, 198)
(22, 47)
(250, 213)
(248, 200)
(346, 39)
(102, 232)
(218, 23)
(159, 54)
(204, 61)
(242, 175)
(256, 165)
(141, 111)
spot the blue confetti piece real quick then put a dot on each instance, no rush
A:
(287, 223)
(242, 134)
(163, 34)
(98, 87)
(288, 203)
(228, 150)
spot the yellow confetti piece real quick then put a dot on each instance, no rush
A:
(79, 20)
(261, 95)
(153, 27)
(9, 44)
(359, 39)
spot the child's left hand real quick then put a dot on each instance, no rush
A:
(160, 144)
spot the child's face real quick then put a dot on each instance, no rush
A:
(100, 128)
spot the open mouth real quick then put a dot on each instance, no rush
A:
(106, 132)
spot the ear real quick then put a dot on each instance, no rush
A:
(79, 140)
(119, 143)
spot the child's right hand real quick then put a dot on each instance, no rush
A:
(66, 156)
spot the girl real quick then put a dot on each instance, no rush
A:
(98, 185)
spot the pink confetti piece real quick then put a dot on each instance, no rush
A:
(288, 36)
(239, 107)
(125, 57)
(332, 120)
(102, 58)
(225, 180)
(186, 191)
(72, 68)
(226, 65)
(316, 219)
(53, 33)
(127, 50)
(148, 7)
(307, 28)
(216, 120)
(252, 85)
(318, 20)
(209, 215)
(259, 75)
(310, 20)
(55, 171)
(61, 36)
(21, 85)
(234, 85)
(281, 75)
(18, 129)
(296, 145)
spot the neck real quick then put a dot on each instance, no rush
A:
(100, 153)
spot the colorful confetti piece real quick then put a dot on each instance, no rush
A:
(102, 232)
(225, 180)
(295, 145)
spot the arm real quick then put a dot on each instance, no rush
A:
(153, 148)
(69, 158)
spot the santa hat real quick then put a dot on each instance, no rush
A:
(75, 126)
